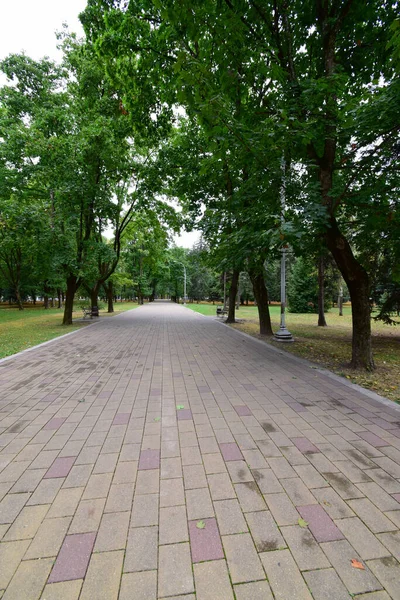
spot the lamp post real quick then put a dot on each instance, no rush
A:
(283, 334)
(184, 284)
(184, 281)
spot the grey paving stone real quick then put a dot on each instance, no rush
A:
(221, 487)
(199, 505)
(379, 497)
(171, 492)
(88, 515)
(360, 537)
(392, 542)
(258, 590)
(175, 575)
(230, 517)
(250, 497)
(103, 576)
(343, 486)
(194, 477)
(326, 585)
(243, 562)
(265, 532)
(371, 515)
(284, 576)
(142, 549)
(304, 548)
(387, 571)
(298, 492)
(48, 539)
(173, 525)
(29, 579)
(282, 509)
(373, 596)
(113, 532)
(282, 468)
(357, 581)
(145, 510)
(11, 505)
(212, 581)
(11, 555)
(267, 481)
(389, 484)
(139, 586)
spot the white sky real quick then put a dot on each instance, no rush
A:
(30, 26)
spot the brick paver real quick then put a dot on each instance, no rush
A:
(161, 455)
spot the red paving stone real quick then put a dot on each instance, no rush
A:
(230, 452)
(319, 523)
(60, 467)
(373, 439)
(149, 459)
(205, 544)
(304, 445)
(243, 411)
(121, 419)
(73, 558)
(54, 423)
(185, 414)
(124, 462)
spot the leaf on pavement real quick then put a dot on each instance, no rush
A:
(200, 525)
(180, 406)
(356, 564)
(302, 522)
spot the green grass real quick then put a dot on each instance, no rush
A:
(20, 330)
(330, 346)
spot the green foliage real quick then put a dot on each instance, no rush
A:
(302, 287)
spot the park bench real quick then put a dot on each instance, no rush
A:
(92, 311)
(221, 311)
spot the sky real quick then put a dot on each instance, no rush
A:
(30, 26)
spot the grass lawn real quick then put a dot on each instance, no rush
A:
(20, 330)
(330, 346)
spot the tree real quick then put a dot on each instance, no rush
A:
(302, 79)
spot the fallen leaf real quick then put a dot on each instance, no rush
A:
(200, 525)
(180, 406)
(157, 418)
(302, 522)
(356, 564)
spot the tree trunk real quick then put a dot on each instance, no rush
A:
(261, 294)
(59, 295)
(18, 297)
(321, 293)
(357, 281)
(232, 297)
(110, 296)
(69, 299)
(45, 301)
(94, 296)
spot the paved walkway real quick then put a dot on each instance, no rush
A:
(159, 454)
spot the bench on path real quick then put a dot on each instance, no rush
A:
(92, 311)
(221, 311)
